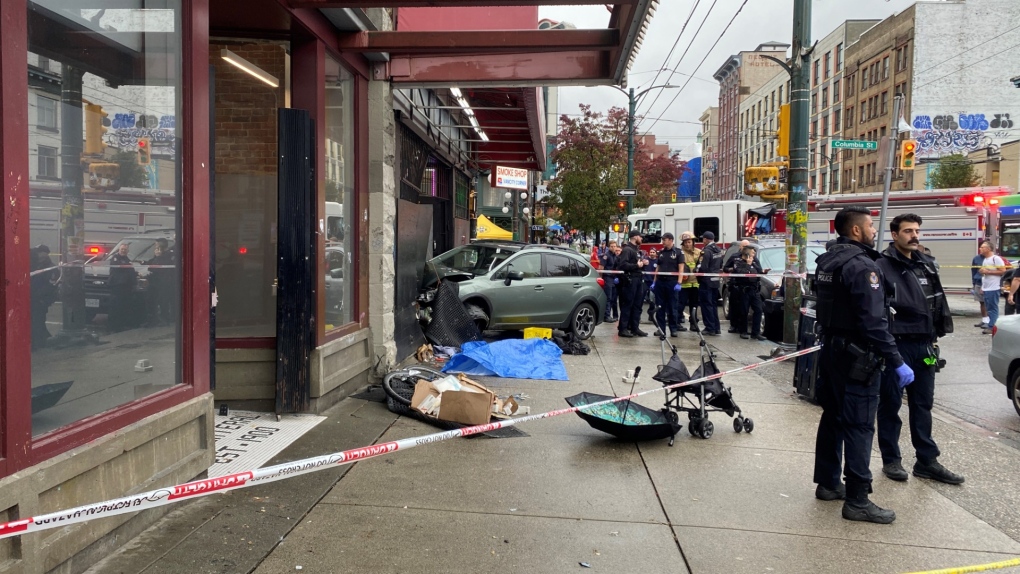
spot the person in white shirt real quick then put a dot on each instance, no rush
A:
(992, 269)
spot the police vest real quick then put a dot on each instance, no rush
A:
(832, 311)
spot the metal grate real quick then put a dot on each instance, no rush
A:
(437, 181)
(414, 156)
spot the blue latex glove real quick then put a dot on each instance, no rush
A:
(616, 281)
(653, 286)
(677, 287)
(904, 375)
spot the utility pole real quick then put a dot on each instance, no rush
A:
(630, 149)
(894, 131)
(796, 205)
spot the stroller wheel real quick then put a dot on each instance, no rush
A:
(738, 424)
(694, 427)
(707, 428)
(748, 425)
(691, 415)
(671, 416)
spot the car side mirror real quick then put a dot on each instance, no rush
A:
(513, 276)
(336, 273)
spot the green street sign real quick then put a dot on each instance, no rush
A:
(853, 144)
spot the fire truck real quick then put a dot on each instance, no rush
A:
(1008, 228)
(729, 221)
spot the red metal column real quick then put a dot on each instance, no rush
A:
(15, 342)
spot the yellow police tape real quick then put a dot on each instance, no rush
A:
(978, 568)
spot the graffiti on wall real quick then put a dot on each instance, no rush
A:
(127, 128)
(958, 133)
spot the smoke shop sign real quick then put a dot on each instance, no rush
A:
(512, 177)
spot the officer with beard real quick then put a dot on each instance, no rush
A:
(920, 316)
(851, 311)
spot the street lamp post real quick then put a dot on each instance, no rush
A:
(632, 109)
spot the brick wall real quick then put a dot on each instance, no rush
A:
(246, 109)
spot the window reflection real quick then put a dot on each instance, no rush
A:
(339, 147)
(104, 209)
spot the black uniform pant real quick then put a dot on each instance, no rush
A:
(847, 427)
(631, 290)
(689, 299)
(920, 399)
(665, 302)
(708, 296)
(750, 300)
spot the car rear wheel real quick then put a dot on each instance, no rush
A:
(582, 321)
(479, 316)
(1014, 390)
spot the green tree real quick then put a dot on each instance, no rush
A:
(131, 174)
(591, 163)
(953, 171)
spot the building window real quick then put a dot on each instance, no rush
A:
(814, 103)
(885, 68)
(48, 159)
(885, 103)
(850, 116)
(839, 58)
(828, 65)
(780, 95)
(851, 84)
(814, 129)
(835, 121)
(864, 79)
(835, 92)
(46, 113)
(130, 300)
(814, 74)
(835, 180)
(814, 180)
(825, 126)
(825, 98)
(822, 181)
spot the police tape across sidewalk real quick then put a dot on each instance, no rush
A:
(197, 488)
(677, 273)
(80, 264)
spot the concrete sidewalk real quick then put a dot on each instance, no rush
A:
(568, 494)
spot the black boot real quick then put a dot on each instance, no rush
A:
(858, 507)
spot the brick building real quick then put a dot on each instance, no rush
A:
(739, 77)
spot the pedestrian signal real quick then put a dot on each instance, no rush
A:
(908, 149)
(144, 151)
(617, 227)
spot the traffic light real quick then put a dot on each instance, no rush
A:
(672, 197)
(621, 205)
(783, 134)
(144, 151)
(94, 129)
(908, 148)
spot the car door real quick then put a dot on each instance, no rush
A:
(563, 287)
(522, 302)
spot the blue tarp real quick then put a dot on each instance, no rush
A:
(512, 358)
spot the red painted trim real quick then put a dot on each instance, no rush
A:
(248, 343)
(95, 427)
(479, 42)
(15, 344)
(439, 3)
(308, 68)
(195, 189)
(582, 67)
(361, 205)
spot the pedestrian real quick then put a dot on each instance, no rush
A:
(992, 269)
(647, 279)
(162, 278)
(612, 282)
(975, 268)
(44, 292)
(851, 312)
(632, 265)
(750, 294)
(921, 316)
(711, 261)
(689, 285)
(666, 287)
(123, 279)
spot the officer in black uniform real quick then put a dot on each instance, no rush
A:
(851, 311)
(631, 263)
(667, 287)
(920, 315)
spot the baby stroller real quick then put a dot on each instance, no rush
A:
(700, 399)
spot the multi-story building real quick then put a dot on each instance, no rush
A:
(759, 122)
(738, 77)
(927, 54)
(647, 142)
(709, 137)
(878, 66)
(827, 67)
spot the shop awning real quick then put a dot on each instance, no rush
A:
(489, 230)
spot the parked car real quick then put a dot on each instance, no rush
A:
(141, 248)
(1004, 357)
(506, 285)
(773, 261)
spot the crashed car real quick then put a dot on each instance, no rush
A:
(772, 256)
(508, 286)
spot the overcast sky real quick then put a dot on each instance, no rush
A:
(760, 21)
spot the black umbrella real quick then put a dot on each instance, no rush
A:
(46, 396)
(625, 420)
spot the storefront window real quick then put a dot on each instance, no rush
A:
(250, 85)
(104, 96)
(339, 147)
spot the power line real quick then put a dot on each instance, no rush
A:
(972, 64)
(682, 56)
(707, 54)
(968, 50)
(675, 44)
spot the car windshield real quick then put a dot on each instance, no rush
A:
(474, 259)
(774, 258)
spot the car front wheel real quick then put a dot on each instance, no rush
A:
(1014, 390)
(582, 322)
(479, 317)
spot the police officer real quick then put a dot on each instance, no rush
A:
(920, 315)
(631, 263)
(708, 287)
(749, 289)
(612, 280)
(667, 286)
(855, 337)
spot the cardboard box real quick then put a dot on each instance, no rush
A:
(470, 406)
(424, 390)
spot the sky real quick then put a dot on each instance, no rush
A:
(758, 22)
